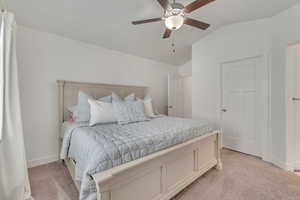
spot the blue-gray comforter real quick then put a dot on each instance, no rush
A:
(102, 147)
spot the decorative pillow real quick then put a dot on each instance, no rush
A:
(101, 112)
(129, 111)
(81, 112)
(115, 97)
(130, 97)
(148, 107)
(107, 99)
(71, 116)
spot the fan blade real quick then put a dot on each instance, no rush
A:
(163, 3)
(196, 4)
(146, 21)
(167, 33)
(196, 23)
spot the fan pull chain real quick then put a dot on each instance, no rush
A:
(173, 46)
(174, 50)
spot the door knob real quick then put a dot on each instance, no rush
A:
(170, 107)
(224, 110)
(296, 99)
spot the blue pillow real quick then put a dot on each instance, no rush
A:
(81, 111)
(107, 99)
(115, 97)
(129, 111)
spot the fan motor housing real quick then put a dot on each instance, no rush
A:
(177, 6)
(175, 9)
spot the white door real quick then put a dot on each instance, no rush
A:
(243, 107)
(296, 101)
(175, 95)
(293, 105)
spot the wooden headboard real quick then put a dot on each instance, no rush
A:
(68, 93)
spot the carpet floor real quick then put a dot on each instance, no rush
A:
(243, 177)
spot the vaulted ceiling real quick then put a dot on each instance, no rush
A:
(108, 23)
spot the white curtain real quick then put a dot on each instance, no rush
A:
(14, 184)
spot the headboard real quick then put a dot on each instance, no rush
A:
(68, 93)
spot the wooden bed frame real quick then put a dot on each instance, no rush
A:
(159, 176)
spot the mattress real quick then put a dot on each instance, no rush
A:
(101, 147)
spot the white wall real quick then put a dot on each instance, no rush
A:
(44, 58)
(267, 37)
(185, 69)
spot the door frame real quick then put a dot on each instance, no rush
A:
(184, 93)
(266, 147)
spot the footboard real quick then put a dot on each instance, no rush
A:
(161, 175)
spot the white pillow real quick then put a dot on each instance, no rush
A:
(148, 108)
(101, 112)
(81, 111)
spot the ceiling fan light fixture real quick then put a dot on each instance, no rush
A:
(174, 22)
(175, 16)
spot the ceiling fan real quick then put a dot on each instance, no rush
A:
(175, 16)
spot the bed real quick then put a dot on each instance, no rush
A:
(151, 160)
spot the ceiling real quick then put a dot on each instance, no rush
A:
(108, 23)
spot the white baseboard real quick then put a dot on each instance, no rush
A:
(281, 164)
(277, 162)
(42, 161)
(288, 166)
(297, 166)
